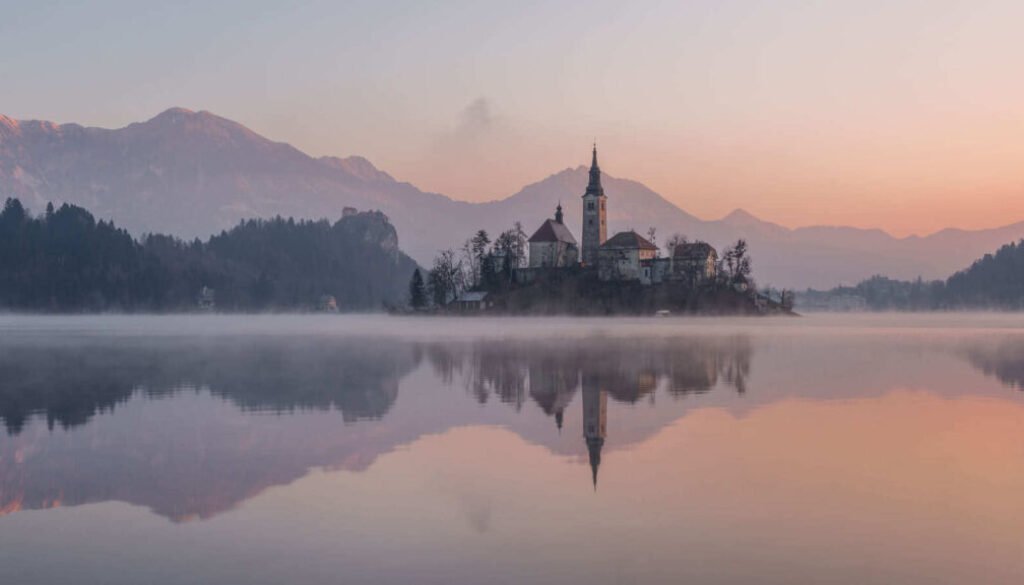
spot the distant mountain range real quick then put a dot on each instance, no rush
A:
(193, 173)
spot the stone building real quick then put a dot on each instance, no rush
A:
(595, 215)
(622, 257)
(695, 263)
(552, 245)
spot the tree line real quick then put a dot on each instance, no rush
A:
(995, 281)
(479, 264)
(65, 260)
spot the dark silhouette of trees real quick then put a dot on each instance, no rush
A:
(995, 281)
(65, 260)
(445, 278)
(736, 263)
(417, 291)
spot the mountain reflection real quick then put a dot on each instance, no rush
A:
(167, 441)
(189, 428)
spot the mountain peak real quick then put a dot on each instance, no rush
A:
(197, 125)
(359, 167)
(8, 126)
(740, 217)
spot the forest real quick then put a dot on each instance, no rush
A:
(64, 260)
(995, 281)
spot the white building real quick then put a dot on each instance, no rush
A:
(552, 245)
(623, 256)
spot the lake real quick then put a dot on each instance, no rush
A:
(371, 449)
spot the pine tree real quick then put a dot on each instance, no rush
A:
(417, 291)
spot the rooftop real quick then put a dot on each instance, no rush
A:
(694, 250)
(552, 231)
(629, 240)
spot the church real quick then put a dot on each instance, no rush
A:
(626, 256)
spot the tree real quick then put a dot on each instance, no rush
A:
(445, 278)
(675, 241)
(417, 291)
(736, 263)
(478, 247)
(652, 235)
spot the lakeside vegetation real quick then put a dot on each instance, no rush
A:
(66, 261)
(995, 281)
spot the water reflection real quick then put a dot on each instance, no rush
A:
(552, 371)
(69, 383)
(192, 427)
(648, 453)
(169, 445)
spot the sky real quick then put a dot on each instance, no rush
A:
(902, 115)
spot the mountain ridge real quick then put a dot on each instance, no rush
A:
(193, 173)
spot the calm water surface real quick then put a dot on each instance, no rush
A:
(229, 450)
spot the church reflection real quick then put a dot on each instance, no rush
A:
(595, 423)
(553, 372)
(172, 426)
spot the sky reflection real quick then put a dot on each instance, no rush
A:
(703, 455)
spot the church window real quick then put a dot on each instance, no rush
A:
(590, 221)
(590, 206)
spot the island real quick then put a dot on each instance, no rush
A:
(551, 273)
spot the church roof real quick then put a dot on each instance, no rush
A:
(695, 250)
(629, 240)
(594, 185)
(552, 231)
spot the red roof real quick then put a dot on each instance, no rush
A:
(629, 240)
(552, 231)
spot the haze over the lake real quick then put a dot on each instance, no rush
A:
(366, 449)
(906, 116)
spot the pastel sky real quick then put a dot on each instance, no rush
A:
(907, 116)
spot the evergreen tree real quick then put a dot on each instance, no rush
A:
(417, 291)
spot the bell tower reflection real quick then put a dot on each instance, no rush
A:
(595, 420)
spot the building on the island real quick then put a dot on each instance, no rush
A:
(656, 270)
(327, 304)
(595, 215)
(622, 257)
(207, 299)
(471, 301)
(552, 245)
(695, 263)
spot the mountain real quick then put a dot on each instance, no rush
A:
(194, 173)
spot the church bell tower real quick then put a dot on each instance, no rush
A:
(595, 226)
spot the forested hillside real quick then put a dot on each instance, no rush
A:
(64, 260)
(995, 281)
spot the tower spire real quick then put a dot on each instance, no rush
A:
(594, 186)
(558, 213)
(594, 452)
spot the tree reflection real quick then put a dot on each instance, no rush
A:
(191, 458)
(71, 383)
(1003, 359)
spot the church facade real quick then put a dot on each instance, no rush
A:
(553, 245)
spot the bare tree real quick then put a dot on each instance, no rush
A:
(445, 278)
(675, 241)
